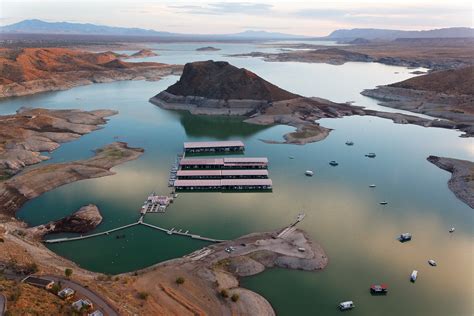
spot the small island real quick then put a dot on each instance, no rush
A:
(208, 49)
(144, 53)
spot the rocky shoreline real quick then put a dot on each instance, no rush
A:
(462, 177)
(448, 95)
(31, 131)
(31, 183)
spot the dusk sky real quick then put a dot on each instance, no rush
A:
(296, 17)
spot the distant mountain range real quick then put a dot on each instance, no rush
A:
(371, 34)
(67, 28)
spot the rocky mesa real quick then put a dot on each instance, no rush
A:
(32, 70)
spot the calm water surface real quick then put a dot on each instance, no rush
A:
(343, 213)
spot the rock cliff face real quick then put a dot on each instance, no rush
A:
(84, 220)
(32, 70)
(31, 131)
(211, 87)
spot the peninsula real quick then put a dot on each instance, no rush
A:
(432, 53)
(462, 179)
(32, 70)
(219, 88)
(447, 94)
(31, 131)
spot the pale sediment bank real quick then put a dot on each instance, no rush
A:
(462, 177)
(213, 271)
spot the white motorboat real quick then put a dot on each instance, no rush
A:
(452, 230)
(413, 276)
(432, 263)
(372, 186)
(309, 173)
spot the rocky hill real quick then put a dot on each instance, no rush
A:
(31, 70)
(447, 94)
(452, 81)
(221, 80)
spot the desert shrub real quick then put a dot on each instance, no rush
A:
(180, 280)
(235, 297)
(224, 293)
(143, 295)
(68, 272)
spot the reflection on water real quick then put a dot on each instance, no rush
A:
(220, 128)
(343, 213)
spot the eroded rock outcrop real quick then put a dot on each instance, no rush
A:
(82, 221)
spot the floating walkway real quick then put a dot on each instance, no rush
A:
(139, 222)
(53, 241)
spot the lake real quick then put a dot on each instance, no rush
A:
(342, 212)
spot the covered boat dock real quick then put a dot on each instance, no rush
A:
(211, 147)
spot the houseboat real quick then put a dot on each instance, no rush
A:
(378, 289)
(405, 237)
(346, 305)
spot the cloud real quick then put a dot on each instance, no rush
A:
(222, 8)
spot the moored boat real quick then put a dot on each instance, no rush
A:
(405, 237)
(349, 143)
(371, 155)
(333, 163)
(372, 186)
(379, 289)
(309, 173)
(432, 263)
(413, 276)
(346, 305)
(452, 230)
(383, 203)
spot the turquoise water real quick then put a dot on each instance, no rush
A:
(343, 213)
